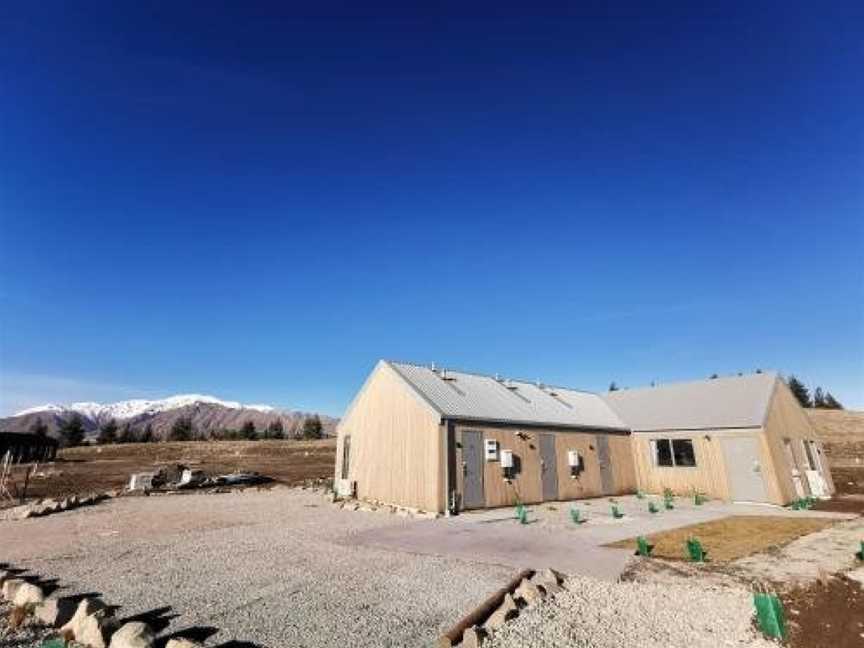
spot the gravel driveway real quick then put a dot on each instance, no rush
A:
(273, 568)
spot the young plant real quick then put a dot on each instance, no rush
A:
(652, 507)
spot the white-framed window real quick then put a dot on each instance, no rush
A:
(673, 453)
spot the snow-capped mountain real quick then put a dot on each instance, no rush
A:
(209, 416)
(138, 407)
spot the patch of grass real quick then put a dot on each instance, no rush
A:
(730, 538)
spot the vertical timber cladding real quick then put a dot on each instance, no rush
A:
(527, 483)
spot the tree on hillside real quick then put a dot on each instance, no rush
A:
(713, 376)
(147, 435)
(312, 428)
(831, 402)
(276, 430)
(613, 386)
(39, 428)
(818, 398)
(107, 432)
(248, 430)
(800, 390)
(72, 431)
(181, 429)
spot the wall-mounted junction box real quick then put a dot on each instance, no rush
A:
(491, 446)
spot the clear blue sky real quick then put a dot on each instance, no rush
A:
(260, 202)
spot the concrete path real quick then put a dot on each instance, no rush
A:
(511, 545)
(551, 539)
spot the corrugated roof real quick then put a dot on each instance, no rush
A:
(458, 394)
(739, 401)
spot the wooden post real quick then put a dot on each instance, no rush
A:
(453, 636)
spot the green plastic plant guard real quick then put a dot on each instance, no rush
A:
(695, 550)
(640, 494)
(616, 513)
(576, 516)
(769, 615)
(860, 554)
(54, 643)
(652, 507)
(522, 513)
(642, 546)
(698, 499)
(667, 502)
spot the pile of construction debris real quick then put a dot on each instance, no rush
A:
(177, 477)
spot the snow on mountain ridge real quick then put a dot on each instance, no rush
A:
(138, 406)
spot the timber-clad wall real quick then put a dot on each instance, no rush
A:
(397, 445)
(526, 485)
(787, 420)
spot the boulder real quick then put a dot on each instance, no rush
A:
(472, 637)
(134, 634)
(505, 611)
(56, 612)
(182, 642)
(528, 592)
(10, 587)
(28, 594)
(548, 581)
(91, 623)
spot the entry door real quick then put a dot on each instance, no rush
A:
(604, 458)
(793, 468)
(472, 469)
(744, 469)
(548, 467)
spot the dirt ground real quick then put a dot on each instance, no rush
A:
(731, 538)
(100, 468)
(848, 479)
(827, 614)
(842, 504)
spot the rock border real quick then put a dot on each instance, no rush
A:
(88, 622)
(526, 589)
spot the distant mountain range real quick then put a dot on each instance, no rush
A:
(208, 415)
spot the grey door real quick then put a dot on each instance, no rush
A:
(472, 469)
(744, 469)
(607, 480)
(548, 467)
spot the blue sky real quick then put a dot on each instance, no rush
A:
(260, 202)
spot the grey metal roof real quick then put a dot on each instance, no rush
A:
(457, 394)
(739, 401)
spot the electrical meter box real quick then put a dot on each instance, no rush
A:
(573, 458)
(491, 449)
(506, 458)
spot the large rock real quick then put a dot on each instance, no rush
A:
(472, 637)
(528, 592)
(10, 587)
(134, 634)
(28, 594)
(182, 642)
(91, 624)
(505, 611)
(56, 612)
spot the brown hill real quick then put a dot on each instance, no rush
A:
(842, 432)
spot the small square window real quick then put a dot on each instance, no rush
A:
(682, 451)
(663, 453)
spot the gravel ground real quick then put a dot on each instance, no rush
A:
(803, 560)
(275, 568)
(597, 614)
(26, 636)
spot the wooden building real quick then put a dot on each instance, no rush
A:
(742, 438)
(24, 447)
(442, 440)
